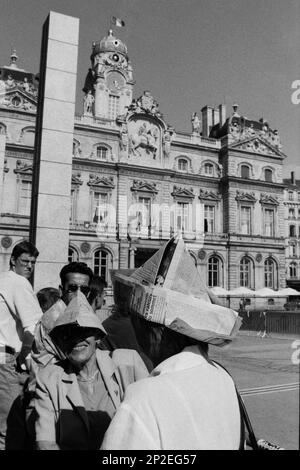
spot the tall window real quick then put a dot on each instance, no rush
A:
(24, 197)
(268, 175)
(144, 211)
(245, 171)
(293, 270)
(292, 230)
(291, 213)
(214, 272)
(291, 196)
(101, 153)
(101, 263)
(209, 169)
(182, 164)
(270, 273)
(182, 216)
(100, 208)
(73, 206)
(246, 220)
(269, 222)
(113, 106)
(72, 255)
(209, 219)
(246, 272)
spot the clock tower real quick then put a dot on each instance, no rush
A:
(109, 85)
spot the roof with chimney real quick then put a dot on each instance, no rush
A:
(289, 184)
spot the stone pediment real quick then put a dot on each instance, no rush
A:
(245, 197)
(23, 168)
(209, 195)
(76, 181)
(179, 192)
(144, 186)
(268, 199)
(101, 182)
(18, 99)
(256, 144)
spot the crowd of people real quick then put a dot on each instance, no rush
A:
(74, 377)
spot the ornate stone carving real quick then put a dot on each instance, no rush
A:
(179, 192)
(145, 137)
(101, 182)
(201, 254)
(145, 104)
(268, 199)
(85, 247)
(209, 195)
(245, 197)
(5, 168)
(23, 168)
(258, 257)
(145, 186)
(6, 242)
(76, 181)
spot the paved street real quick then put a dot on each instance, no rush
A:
(268, 382)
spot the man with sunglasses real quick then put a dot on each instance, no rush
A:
(19, 314)
(75, 276)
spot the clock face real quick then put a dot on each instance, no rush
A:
(115, 81)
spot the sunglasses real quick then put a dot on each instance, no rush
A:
(74, 288)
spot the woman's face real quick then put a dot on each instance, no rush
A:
(80, 346)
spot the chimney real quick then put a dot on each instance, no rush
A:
(216, 116)
(293, 181)
(207, 120)
(222, 113)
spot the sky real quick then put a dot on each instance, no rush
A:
(187, 53)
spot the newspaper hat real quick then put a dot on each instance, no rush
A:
(51, 315)
(78, 313)
(169, 290)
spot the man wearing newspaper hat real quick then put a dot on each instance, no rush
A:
(188, 402)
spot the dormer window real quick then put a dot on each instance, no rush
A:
(182, 164)
(101, 153)
(268, 175)
(245, 171)
(209, 169)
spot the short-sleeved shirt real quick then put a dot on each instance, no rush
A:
(19, 309)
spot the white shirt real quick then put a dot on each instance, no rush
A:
(19, 309)
(186, 403)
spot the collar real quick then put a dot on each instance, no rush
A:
(189, 357)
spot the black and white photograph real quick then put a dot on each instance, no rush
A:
(149, 228)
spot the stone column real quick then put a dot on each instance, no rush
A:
(50, 208)
(2, 154)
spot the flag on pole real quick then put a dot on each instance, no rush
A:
(117, 22)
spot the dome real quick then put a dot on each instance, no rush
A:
(109, 44)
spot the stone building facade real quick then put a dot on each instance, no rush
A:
(137, 181)
(292, 230)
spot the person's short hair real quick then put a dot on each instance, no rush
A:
(47, 297)
(97, 285)
(75, 267)
(24, 247)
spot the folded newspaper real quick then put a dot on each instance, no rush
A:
(169, 290)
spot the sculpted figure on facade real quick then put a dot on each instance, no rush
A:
(10, 83)
(195, 123)
(26, 85)
(124, 137)
(88, 103)
(146, 138)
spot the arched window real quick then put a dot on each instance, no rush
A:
(246, 273)
(268, 175)
(182, 164)
(214, 272)
(209, 169)
(293, 270)
(72, 255)
(245, 171)
(101, 152)
(102, 263)
(271, 273)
